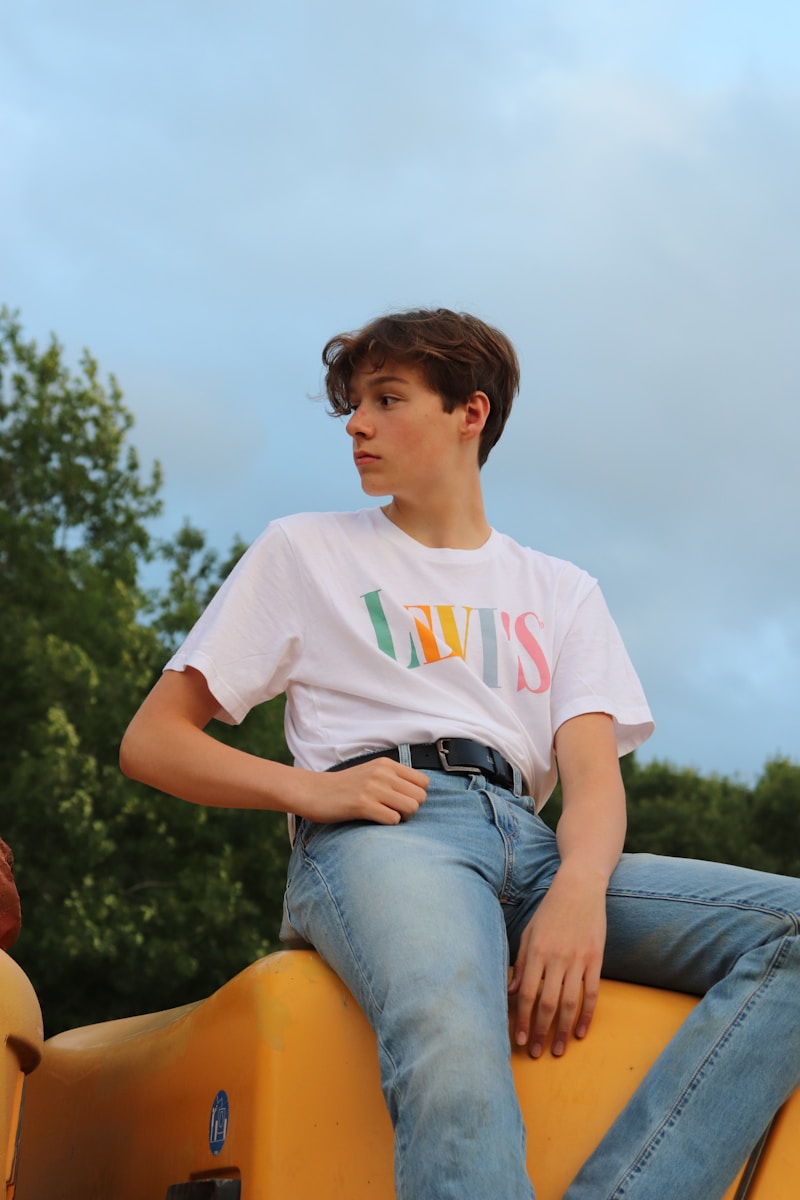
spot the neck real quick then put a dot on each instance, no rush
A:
(454, 527)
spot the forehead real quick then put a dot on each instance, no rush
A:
(367, 378)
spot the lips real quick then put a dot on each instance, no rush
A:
(361, 458)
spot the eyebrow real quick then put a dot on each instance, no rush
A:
(377, 381)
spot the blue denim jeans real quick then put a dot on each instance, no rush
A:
(421, 919)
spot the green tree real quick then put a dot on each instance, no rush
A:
(680, 812)
(775, 816)
(131, 900)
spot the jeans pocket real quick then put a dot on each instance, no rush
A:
(306, 831)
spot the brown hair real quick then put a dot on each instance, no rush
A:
(456, 353)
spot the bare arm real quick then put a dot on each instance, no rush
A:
(557, 972)
(166, 747)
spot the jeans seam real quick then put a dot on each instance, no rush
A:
(709, 902)
(506, 893)
(356, 958)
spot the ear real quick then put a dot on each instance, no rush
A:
(475, 413)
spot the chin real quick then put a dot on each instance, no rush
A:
(372, 489)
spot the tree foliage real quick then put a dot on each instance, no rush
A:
(680, 812)
(132, 900)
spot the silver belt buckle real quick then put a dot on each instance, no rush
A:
(443, 751)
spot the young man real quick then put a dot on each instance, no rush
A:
(435, 671)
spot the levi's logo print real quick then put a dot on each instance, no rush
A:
(443, 631)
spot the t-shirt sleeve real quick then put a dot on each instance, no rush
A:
(246, 642)
(593, 673)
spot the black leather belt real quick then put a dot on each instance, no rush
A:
(457, 756)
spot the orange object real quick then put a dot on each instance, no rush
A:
(273, 1081)
(22, 1037)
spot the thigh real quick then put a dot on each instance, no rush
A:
(683, 923)
(409, 917)
(409, 909)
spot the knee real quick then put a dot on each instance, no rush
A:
(451, 1069)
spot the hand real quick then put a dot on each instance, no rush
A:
(380, 790)
(557, 971)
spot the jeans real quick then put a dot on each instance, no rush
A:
(421, 919)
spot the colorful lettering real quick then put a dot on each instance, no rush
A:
(438, 625)
(379, 623)
(534, 650)
(431, 649)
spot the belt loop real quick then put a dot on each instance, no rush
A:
(405, 754)
(517, 780)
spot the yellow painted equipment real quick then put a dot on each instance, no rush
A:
(21, 1029)
(273, 1081)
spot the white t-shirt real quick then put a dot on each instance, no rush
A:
(378, 640)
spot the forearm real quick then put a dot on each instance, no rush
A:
(166, 746)
(178, 758)
(591, 831)
(557, 971)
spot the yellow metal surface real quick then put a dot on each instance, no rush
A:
(21, 1032)
(125, 1109)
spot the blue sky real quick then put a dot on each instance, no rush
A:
(203, 193)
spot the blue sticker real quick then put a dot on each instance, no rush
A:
(218, 1125)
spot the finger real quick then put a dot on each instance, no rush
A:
(565, 1018)
(403, 806)
(591, 994)
(577, 997)
(385, 785)
(405, 799)
(417, 786)
(392, 767)
(547, 1006)
(394, 776)
(519, 968)
(526, 989)
(383, 815)
(419, 778)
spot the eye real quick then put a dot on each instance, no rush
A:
(388, 401)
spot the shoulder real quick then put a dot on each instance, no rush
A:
(302, 525)
(307, 529)
(307, 542)
(550, 570)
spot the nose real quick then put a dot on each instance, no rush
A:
(358, 426)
